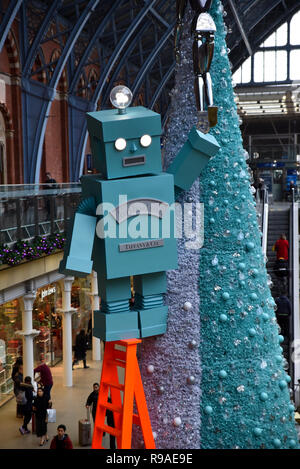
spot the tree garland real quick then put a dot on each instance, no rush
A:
(30, 250)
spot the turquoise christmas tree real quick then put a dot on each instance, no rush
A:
(217, 378)
(245, 397)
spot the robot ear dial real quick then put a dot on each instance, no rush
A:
(120, 144)
(145, 141)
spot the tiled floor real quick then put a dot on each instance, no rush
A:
(69, 403)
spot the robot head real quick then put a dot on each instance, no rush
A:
(125, 142)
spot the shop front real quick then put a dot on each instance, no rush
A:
(47, 320)
(81, 300)
(10, 345)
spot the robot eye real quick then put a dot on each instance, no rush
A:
(120, 144)
(145, 140)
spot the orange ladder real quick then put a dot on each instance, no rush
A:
(132, 388)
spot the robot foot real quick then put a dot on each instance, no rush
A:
(116, 326)
(153, 321)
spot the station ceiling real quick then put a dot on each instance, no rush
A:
(132, 39)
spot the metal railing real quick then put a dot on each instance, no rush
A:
(262, 208)
(294, 324)
(31, 210)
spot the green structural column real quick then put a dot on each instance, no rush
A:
(245, 396)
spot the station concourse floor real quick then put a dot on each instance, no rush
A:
(69, 403)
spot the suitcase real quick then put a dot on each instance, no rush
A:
(85, 430)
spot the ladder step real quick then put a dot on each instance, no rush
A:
(110, 406)
(110, 430)
(119, 354)
(114, 385)
(117, 363)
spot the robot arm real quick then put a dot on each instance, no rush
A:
(180, 10)
(192, 158)
(80, 239)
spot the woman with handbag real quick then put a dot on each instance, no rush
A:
(39, 406)
(26, 406)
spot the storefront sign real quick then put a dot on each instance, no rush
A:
(47, 292)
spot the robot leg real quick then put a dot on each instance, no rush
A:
(153, 314)
(115, 321)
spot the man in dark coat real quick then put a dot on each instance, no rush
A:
(93, 399)
(80, 348)
(284, 310)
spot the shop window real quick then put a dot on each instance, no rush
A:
(10, 345)
(294, 29)
(81, 300)
(47, 319)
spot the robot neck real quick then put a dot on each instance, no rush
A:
(201, 6)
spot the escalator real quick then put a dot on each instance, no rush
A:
(284, 218)
(278, 224)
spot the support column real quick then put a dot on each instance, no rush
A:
(67, 312)
(28, 334)
(96, 344)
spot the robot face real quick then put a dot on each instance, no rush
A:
(125, 145)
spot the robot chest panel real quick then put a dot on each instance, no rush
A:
(136, 229)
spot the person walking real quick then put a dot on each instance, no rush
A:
(282, 248)
(51, 184)
(281, 269)
(111, 423)
(62, 439)
(46, 379)
(92, 400)
(283, 313)
(80, 349)
(15, 367)
(17, 377)
(26, 408)
(39, 406)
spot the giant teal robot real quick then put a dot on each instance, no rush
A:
(124, 225)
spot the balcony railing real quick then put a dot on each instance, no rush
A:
(31, 210)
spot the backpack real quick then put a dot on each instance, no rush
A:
(21, 398)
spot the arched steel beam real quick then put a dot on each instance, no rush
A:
(151, 58)
(87, 51)
(237, 57)
(78, 164)
(125, 57)
(162, 84)
(29, 60)
(89, 9)
(8, 19)
(119, 48)
(40, 98)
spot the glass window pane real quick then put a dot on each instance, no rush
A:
(295, 65)
(281, 65)
(269, 66)
(295, 27)
(281, 35)
(271, 41)
(258, 67)
(237, 76)
(246, 71)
